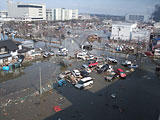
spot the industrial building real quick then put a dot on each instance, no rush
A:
(129, 31)
(61, 14)
(136, 18)
(23, 10)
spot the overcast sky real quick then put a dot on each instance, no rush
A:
(115, 7)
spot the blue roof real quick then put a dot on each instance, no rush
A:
(156, 38)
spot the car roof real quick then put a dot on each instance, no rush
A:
(76, 70)
(119, 69)
(93, 64)
(86, 78)
(84, 65)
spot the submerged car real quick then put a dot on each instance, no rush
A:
(93, 64)
(86, 68)
(87, 81)
(104, 68)
(133, 66)
(126, 63)
(121, 73)
(76, 73)
(84, 73)
(112, 60)
(110, 78)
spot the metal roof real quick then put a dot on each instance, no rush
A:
(9, 44)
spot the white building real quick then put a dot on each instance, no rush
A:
(75, 14)
(84, 17)
(136, 18)
(129, 31)
(122, 31)
(22, 10)
(48, 14)
(3, 14)
(61, 14)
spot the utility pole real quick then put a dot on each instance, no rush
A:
(40, 81)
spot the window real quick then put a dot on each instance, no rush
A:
(2, 50)
(29, 6)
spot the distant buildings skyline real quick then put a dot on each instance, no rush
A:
(110, 7)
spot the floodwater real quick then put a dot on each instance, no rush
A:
(28, 75)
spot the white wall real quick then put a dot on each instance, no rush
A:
(14, 53)
(121, 31)
(18, 12)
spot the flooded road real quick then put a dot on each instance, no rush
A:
(137, 94)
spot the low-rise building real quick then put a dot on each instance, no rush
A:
(3, 14)
(129, 31)
(8, 50)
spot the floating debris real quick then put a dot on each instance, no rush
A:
(113, 95)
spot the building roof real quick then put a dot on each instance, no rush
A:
(9, 44)
(5, 56)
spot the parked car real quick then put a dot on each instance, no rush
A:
(104, 68)
(93, 64)
(121, 73)
(110, 69)
(84, 73)
(99, 59)
(110, 78)
(46, 54)
(76, 73)
(87, 81)
(35, 54)
(86, 68)
(81, 56)
(126, 63)
(62, 54)
(91, 61)
(112, 60)
(132, 66)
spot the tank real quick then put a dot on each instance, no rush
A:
(5, 68)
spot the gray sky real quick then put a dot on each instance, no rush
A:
(116, 7)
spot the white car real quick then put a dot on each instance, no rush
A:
(81, 56)
(76, 73)
(110, 69)
(87, 81)
(126, 63)
(110, 59)
(85, 67)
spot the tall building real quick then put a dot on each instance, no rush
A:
(48, 14)
(61, 14)
(75, 14)
(136, 18)
(23, 10)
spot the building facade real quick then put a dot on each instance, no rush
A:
(48, 14)
(129, 31)
(3, 14)
(136, 18)
(62, 14)
(22, 10)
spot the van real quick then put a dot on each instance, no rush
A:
(87, 81)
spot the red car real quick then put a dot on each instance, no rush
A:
(93, 64)
(121, 73)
